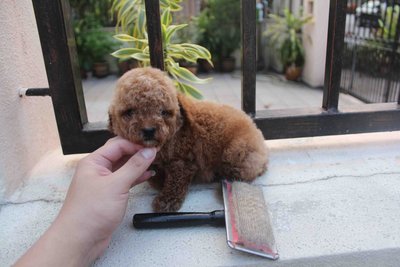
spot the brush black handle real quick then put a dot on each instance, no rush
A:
(178, 219)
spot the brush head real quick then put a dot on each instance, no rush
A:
(248, 223)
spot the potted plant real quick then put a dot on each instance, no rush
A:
(88, 16)
(286, 34)
(388, 23)
(81, 48)
(131, 25)
(99, 44)
(126, 64)
(188, 34)
(219, 25)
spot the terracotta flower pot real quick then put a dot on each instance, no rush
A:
(101, 69)
(204, 66)
(83, 73)
(124, 66)
(192, 67)
(293, 72)
(228, 64)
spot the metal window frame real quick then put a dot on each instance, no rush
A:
(78, 135)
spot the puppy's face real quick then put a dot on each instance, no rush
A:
(145, 109)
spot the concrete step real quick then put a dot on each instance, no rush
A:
(334, 201)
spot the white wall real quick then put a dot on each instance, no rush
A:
(28, 128)
(315, 41)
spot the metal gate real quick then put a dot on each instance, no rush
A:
(371, 55)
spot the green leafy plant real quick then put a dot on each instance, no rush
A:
(219, 26)
(188, 34)
(285, 33)
(131, 15)
(92, 42)
(389, 27)
(98, 9)
(131, 30)
(82, 48)
(100, 43)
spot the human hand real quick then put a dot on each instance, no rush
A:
(96, 201)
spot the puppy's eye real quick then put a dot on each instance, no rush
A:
(128, 113)
(166, 113)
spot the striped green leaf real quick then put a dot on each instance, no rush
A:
(166, 17)
(171, 30)
(191, 91)
(141, 57)
(125, 52)
(128, 38)
(185, 74)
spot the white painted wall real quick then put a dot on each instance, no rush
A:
(315, 41)
(28, 128)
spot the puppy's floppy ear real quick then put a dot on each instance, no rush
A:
(185, 108)
(182, 110)
(110, 124)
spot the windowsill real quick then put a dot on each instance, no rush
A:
(332, 199)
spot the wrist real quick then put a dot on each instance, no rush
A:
(60, 245)
(64, 238)
(74, 237)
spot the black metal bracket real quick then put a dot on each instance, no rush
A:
(154, 33)
(34, 92)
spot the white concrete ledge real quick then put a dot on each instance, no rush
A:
(334, 201)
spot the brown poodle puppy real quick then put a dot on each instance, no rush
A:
(197, 140)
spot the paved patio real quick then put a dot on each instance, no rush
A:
(273, 92)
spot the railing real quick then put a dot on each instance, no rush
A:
(77, 135)
(371, 61)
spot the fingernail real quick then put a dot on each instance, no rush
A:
(148, 153)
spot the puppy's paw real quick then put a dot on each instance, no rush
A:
(157, 181)
(166, 204)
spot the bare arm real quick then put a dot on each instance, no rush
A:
(94, 206)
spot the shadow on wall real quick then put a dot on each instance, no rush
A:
(28, 125)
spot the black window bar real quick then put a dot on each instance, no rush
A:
(78, 135)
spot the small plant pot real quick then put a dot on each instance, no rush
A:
(293, 72)
(83, 74)
(192, 67)
(124, 66)
(204, 66)
(228, 64)
(101, 69)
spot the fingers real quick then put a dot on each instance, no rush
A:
(134, 168)
(146, 175)
(112, 151)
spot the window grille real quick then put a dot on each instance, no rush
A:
(78, 135)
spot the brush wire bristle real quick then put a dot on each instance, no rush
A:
(252, 220)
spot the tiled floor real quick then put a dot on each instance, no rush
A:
(272, 92)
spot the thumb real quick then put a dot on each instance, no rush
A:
(134, 168)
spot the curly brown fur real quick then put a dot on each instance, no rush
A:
(198, 140)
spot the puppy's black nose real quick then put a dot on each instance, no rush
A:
(148, 133)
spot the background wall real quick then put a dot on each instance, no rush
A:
(315, 40)
(315, 37)
(28, 128)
